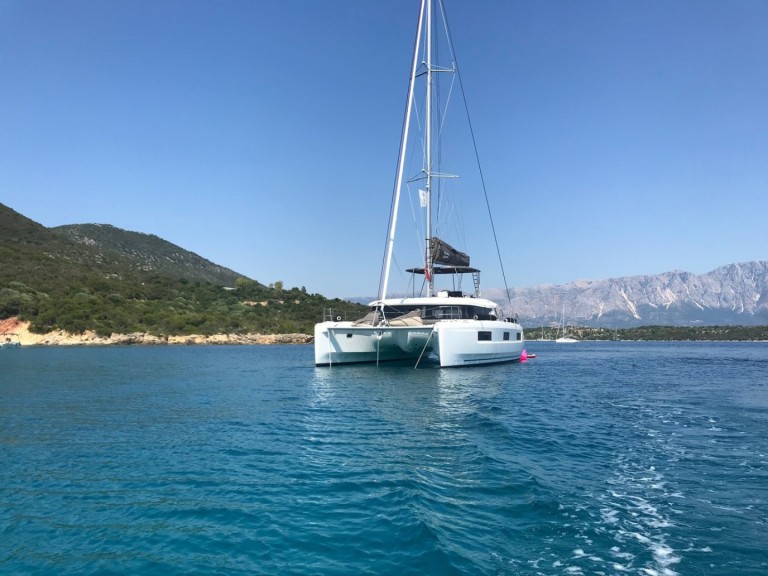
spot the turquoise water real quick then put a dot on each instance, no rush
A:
(593, 458)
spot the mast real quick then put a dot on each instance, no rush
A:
(428, 159)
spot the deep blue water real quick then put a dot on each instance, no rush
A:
(593, 458)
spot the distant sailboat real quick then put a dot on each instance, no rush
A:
(565, 339)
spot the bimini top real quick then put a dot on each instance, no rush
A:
(445, 270)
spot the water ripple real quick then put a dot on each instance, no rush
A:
(610, 459)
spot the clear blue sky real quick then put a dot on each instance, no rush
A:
(617, 137)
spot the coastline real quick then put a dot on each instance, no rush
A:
(90, 338)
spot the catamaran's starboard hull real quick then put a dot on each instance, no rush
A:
(473, 342)
(453, 343)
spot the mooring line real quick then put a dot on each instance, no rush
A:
(423, 349)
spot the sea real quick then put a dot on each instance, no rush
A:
(592, 458)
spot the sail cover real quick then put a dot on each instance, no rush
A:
(444, 253)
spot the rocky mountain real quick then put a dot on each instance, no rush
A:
(735, 294)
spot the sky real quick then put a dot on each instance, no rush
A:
(616, 137)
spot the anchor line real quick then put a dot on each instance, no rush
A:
(424, 349)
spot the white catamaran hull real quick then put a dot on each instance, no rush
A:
(344, 343)
(453, 342)
(473, 342)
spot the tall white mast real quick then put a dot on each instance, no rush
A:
(428, 159)
(401, 160)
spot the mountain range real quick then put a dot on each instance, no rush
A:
(40, 266)
(734, 294)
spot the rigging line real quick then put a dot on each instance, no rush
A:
(386, 260)
(389, 227)
(419, 133)
(441, 113)
(424, 349)
(477, 154)
(415, 216)
(437, 149)
(443, 116)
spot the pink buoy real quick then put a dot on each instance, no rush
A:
(524, 356)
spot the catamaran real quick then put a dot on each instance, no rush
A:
(446, 325)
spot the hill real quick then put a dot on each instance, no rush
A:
(147, 253)
(97, 277)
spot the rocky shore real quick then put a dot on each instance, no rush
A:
(19, 331)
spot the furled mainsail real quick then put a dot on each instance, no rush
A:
(444, 253)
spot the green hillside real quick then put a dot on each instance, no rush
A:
(101, 278)
(148, 253)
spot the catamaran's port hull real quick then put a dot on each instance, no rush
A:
(344, 343)
(454, 343)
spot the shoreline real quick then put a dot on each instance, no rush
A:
(21, 333)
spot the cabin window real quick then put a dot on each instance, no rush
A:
(477, 312)
(519, 335)
(394, 311)
(506, 336)
(349, 335)
(484, 336)
(442, 313)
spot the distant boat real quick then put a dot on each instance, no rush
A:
(455, 328)
(9, 340)
(565, 339)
